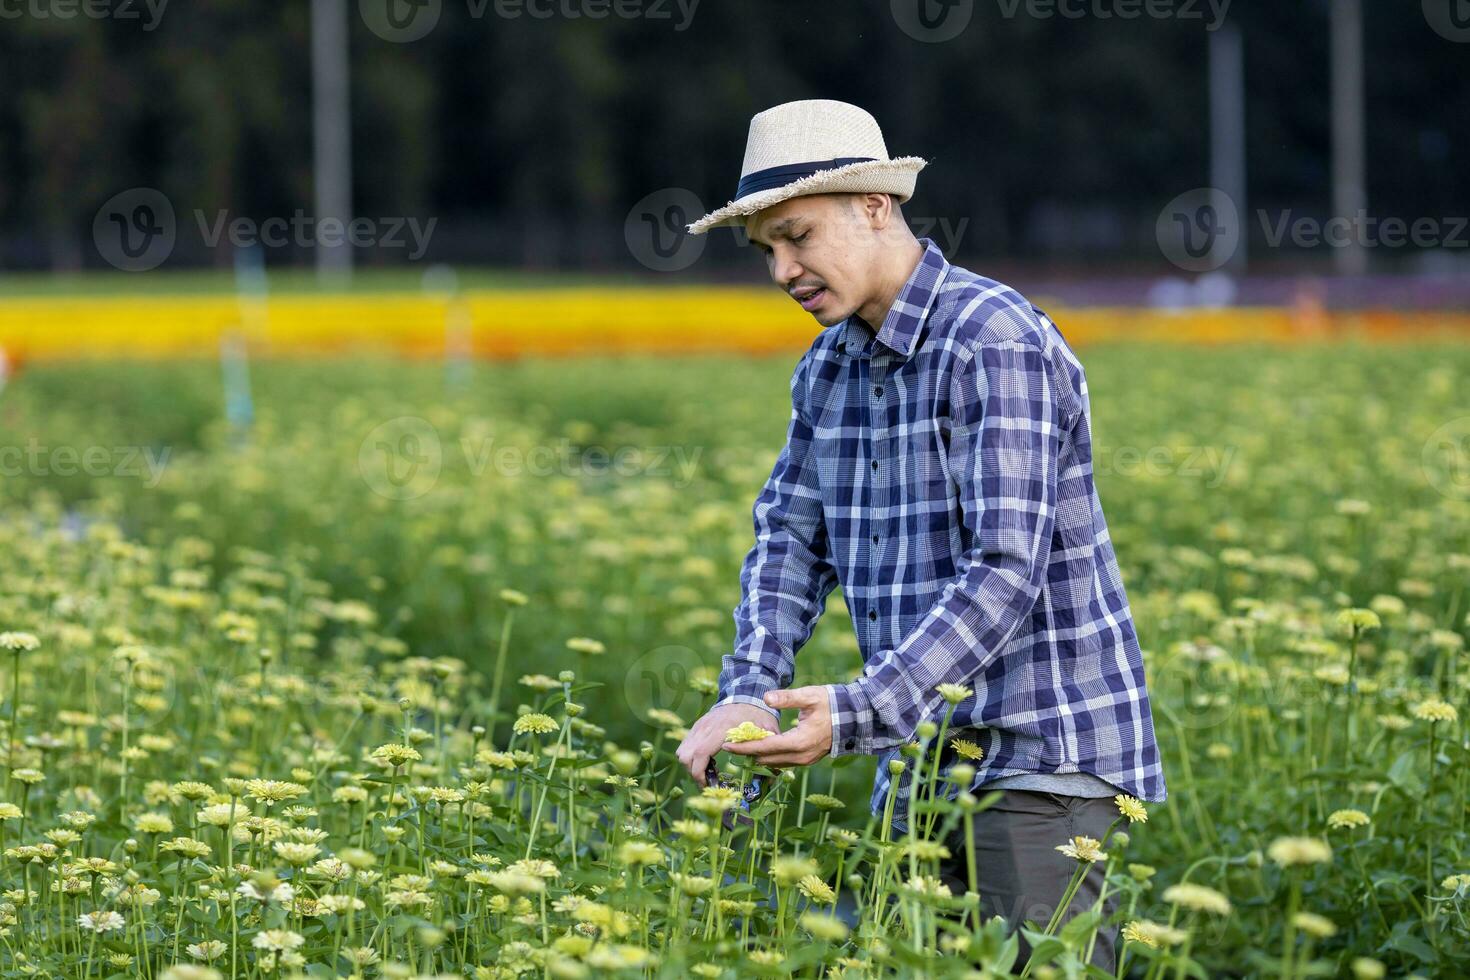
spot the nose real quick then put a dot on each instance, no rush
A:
(785, 270)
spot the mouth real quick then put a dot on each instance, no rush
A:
(810, 297)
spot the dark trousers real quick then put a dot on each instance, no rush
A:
(1021, 873)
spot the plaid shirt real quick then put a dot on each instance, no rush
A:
(941, 471)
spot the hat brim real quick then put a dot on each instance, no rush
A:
(896, 177)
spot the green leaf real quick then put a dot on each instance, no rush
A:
(1403, 941)
(1079, 926)
(1403, 774)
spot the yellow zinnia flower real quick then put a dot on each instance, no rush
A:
(1347, 819)
(1131, 807)
(1086, 849)
(746, 731)
(1291, 851)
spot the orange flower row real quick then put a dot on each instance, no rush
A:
(508, 323)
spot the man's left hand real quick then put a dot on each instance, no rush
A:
(807, 743)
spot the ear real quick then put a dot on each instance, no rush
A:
(876, 209)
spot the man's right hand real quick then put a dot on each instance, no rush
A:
(708, 734)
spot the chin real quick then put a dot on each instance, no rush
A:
(830, 318)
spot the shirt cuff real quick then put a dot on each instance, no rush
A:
(747, 699)
(852, 719)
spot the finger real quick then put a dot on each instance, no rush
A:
(696, 767)
(800, 697)
(765, 747)
(786, 760)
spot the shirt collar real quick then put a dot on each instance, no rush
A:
(901, 327)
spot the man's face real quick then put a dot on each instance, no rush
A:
(819, 250)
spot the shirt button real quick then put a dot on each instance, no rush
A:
(851, 744)
(872, 614)
(878, 390)
(875, 464)
(875, 539)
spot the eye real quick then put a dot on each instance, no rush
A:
(800, 238)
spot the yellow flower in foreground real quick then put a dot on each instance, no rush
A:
(721, 797)
(1154, 934)
(1290, 851)
(790, 870)
(967, 749)
(1347, 819)
(189, 971)
(824, 927)
(954, 693)
(816, 889)
(1131, 807)
(512, 597)
(746, 731)
(1454, 882)
(1080, 848)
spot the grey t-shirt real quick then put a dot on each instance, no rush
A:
(1061, 783)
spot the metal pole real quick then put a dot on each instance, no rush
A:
(1227, 135)
(332, 138)
(1349, 193)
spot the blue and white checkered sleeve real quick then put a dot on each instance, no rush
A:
(787, 575)
(1005, 443)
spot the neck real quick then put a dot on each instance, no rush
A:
(899, 267)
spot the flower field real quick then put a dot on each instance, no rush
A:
(388, 683)
(503, 322)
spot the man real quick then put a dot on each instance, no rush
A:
(938, 465)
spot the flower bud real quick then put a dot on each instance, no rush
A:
(927, 730)
(896, 767)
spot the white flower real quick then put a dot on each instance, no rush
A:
(101, 921)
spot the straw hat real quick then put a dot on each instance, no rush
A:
(815, 146)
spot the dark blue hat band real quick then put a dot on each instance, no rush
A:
(764, 180)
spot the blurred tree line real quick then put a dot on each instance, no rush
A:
(528, 138)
